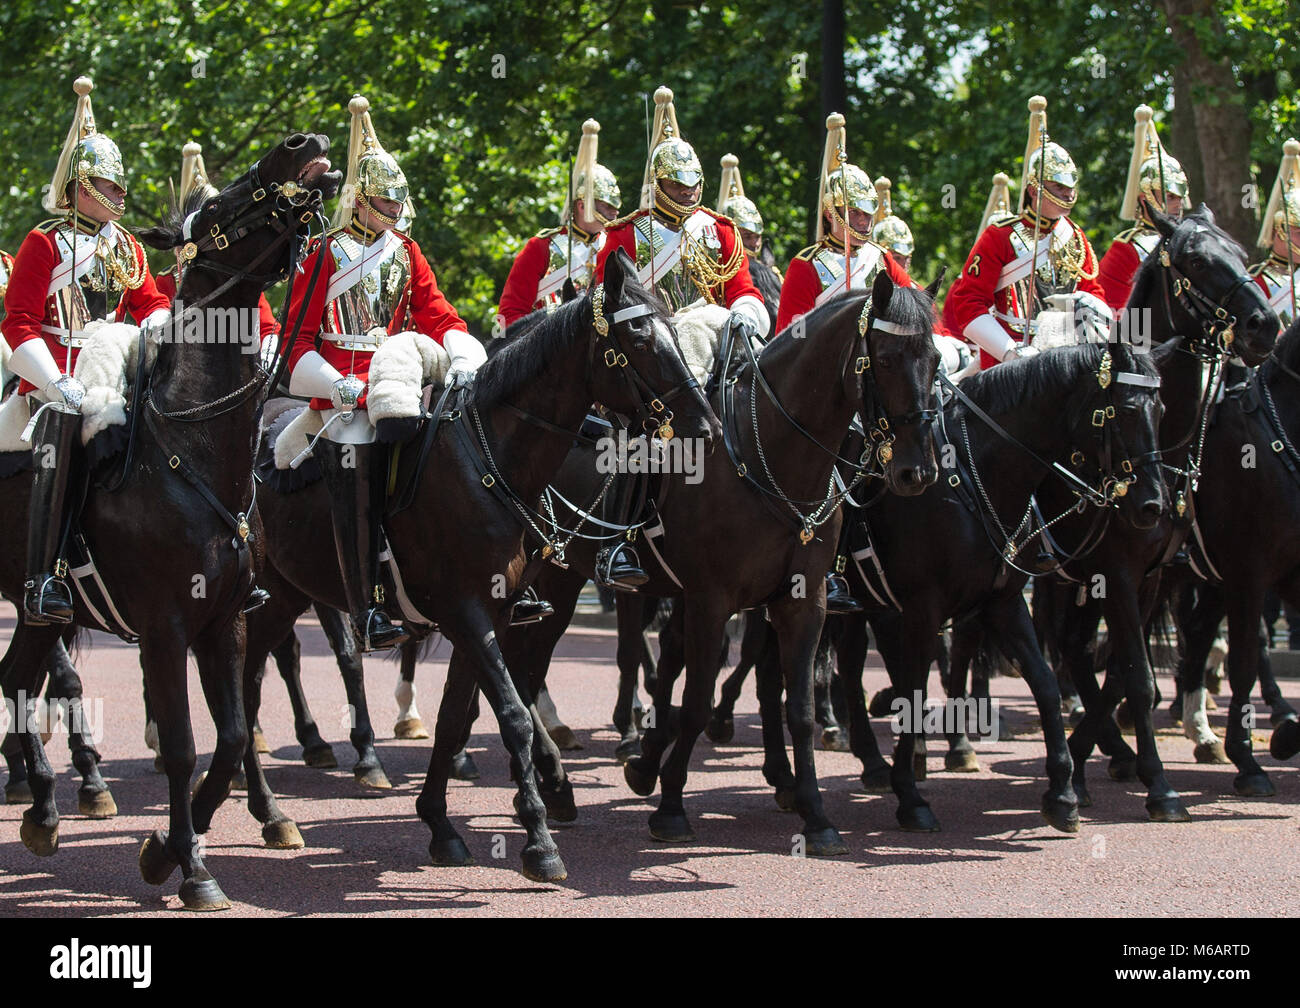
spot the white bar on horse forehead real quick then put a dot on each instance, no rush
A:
(1145, 381)
(634, 311)
(189, 223)
(895, 328)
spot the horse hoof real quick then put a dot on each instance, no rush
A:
(260, 745)
(834, 740)
(463, 767)
(239, 782)
(1123, 768)
(1284, 744)
(410, 728)
(320, 757)
(630, 749)
(1210, 752)
(564, 739)
(1256, 785)
(156, 861)
(918, 820)
(96, 804)
(203, 895)
(785, 799)
(560, 805)
(1167, 809)
(641, 782)
(43, 841)
(450, 853)
(671, 827)
(876, 781)
(961, 761)
(282, 835)
(19, 793)
(720, 730)
(1061, 815)
(543, 866)
(824, 843)
(158, 765)
(882, 703)
(1085, 799)
(372, 779)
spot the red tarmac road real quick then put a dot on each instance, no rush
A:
(367, 853)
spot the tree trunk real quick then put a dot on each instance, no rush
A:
(1222, 121)
(1182, 134)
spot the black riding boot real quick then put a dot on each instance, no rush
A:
(622, 567)
(356, 509)
(47, 597)
(839, 600)
(530, 609)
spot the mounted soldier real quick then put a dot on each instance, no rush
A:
(1280, 234)
(688, 254)
(374, 282)
(72, 275)
(888, 230)
(1032, 276)
(1155, 179)
(567, 252)
(733, 203)
(846, 205)
(194, 179)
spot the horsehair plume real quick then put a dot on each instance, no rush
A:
(83, 124)
(1288, 178)
(729, 184)
(665, 125)
(1145, 142)
(194, 174)
(584, 165)
(360, 132)
(884, 204)
(833, 154)
(1037, 127)
(999, 200)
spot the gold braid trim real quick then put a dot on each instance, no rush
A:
(705, 271)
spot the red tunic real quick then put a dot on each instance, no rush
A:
(623, 235)
(426, 311)
(267, 325)
(974, 292)
(1118, 267)
(519, 296)
(803, 285)
(29, 305)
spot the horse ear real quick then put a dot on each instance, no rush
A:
(1165, 224)
(882, 289)
(1207, 213)
(161, 237)
(568, 292)
(933, 289)
(617, 268)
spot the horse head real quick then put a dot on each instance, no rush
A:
(250, 230)
(638, 368)
(1207, 293)
(1115, 412)
(895, 376)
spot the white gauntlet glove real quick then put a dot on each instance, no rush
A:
(466, 353)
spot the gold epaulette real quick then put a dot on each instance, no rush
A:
(45, 227)
(619, 221)
(718, 216)
(807, 254)
(548, 232)
(1128, 236)
(1002, 220)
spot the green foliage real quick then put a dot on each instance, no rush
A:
(482, 103)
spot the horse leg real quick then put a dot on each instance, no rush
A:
(162, 655)
(1244, 608)
(722, 726)
(463, 766)
(960, 757)
(94, 800)
(18, 790)
(641, 772)
(1279, 709)
(1200, 628)
(1285, 742)
(368, 771)
(1012, 628)
(776, 766)
(798, 628)
(908, 668)
(629, 658)
(446, 847)
(20, 671)
(316, 752)
(851, 654)
(834, 738)
(409, 724)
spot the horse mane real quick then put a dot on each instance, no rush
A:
(519, 356)
(1054, 373)
(167, 233)
(910, 307)
(1287, 350)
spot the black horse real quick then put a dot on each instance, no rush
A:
(192, 477)
(495, 447)
(731, 543)
(1193, 297)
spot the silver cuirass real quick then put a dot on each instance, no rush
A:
(372, 300)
